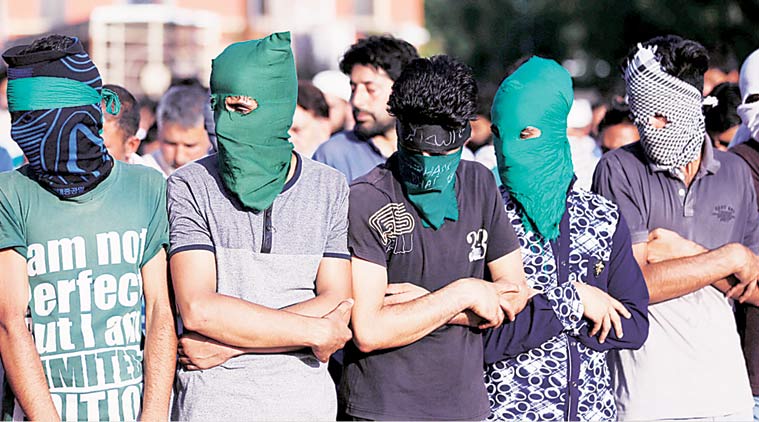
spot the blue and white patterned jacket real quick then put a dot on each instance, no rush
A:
(544, 365)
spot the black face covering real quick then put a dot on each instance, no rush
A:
(63, 143)
(431, 138)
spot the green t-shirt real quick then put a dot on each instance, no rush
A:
(84, 257)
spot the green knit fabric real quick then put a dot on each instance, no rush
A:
(254, 151)
(537, 172)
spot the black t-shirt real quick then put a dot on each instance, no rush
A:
(440, 376)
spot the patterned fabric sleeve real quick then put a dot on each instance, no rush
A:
(566, 304)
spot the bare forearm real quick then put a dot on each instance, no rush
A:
(160, 362)
(23, 369)
(678, 277)
(318, 306)
(404, 323)
(240, 323)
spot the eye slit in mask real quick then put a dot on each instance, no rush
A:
(658, 121)
(240, 104)
(530, 132)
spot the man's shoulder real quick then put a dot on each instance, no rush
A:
(312, 168)
(629, 155)
(377, 185)
(337, 144)
(206, 168)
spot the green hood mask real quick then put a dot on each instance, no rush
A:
(254, 151)
(537, 171)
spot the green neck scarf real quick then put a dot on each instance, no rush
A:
(537, 172)
(429, 183)
(254, 151)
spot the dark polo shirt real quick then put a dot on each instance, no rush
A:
(439, 377)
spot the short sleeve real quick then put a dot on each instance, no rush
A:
(502, 239)
(337, 238)
(11, 230)
(158, 227)
(366, 211)
(188, 228)
(611, 182)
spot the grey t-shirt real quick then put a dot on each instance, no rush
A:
(691, 365)
(269, 258)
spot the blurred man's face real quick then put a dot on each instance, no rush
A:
(370, 92)
(308, 131)
(180, 145)
(3, 94)
(722, 140)
(619, 135)
(340, 116)
(113, 138)
(120, 146)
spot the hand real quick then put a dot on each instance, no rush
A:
(199, 352)
(484, 299)
(402, 292)
(602, 310)
(333, 331)
(664, 245)
(747, 274)
(515, 299)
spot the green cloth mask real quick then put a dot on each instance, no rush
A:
(429, 183)
(254, 151)
(537, 171)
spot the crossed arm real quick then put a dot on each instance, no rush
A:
(227, 326)
(380, 325)
(674, 266)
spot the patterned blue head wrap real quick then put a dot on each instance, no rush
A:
(54, 97)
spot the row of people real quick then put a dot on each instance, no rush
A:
(271, 255)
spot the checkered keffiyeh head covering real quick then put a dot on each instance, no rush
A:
(653, 92)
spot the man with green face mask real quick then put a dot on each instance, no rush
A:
(258, 254)
(550, 363)
(425, 222)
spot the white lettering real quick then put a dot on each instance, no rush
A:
(109, 248)
(63, 253)
(44, 299)
(35, 256)
(105, 292)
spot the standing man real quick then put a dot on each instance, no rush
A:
(674, 181)
(428, 219)
(310, 126)
(748, 315)
(119, 131)
(373, 64)
(76, 271)
(259, 255)
(550, 362)
(182, 131)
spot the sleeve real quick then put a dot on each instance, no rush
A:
(567, 305)
(751, 232)
(535, 325)
(368, 210)
(11, 230)
(188, 228)
(611, 182)
(502, 239)
(158, 227)
(627, 285)
(337, 238)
